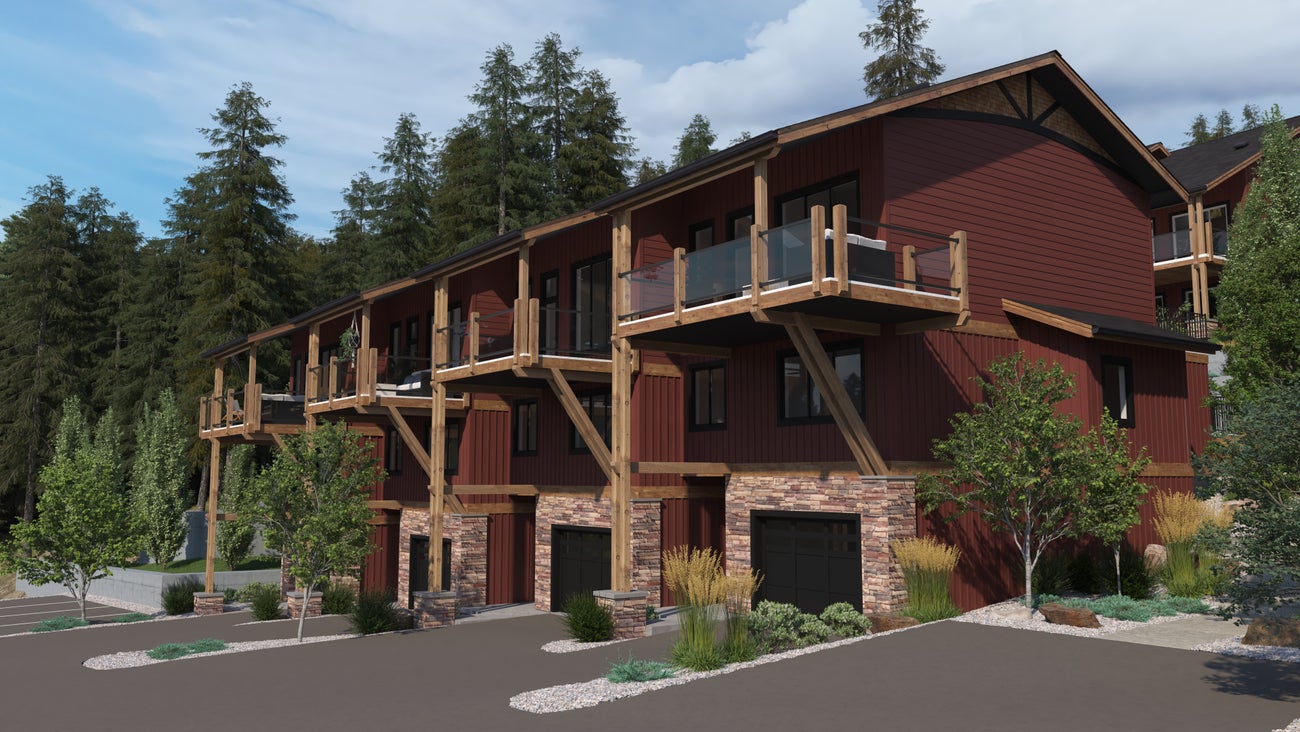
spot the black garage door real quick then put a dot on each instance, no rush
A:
(419, 567)
(579, 562)
(809, 559)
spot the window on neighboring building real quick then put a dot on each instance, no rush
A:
(1117, 389)
(591, 301)
(393, 452)
(597, 408)
(802, 401)
(708, 397)
(525, 427)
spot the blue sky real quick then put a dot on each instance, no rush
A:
(111, 93)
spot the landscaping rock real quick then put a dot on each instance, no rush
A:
(1283, 632)
(1154, 556)
(881, 622)
(1077, 617)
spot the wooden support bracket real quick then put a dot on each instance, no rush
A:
(581, 421)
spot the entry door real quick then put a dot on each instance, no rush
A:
(419, 567)
(579, 562)
(810, 560)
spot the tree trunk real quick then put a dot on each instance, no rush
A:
(1119, 589)
(203, 485)
(302, 607)
(1029, 582)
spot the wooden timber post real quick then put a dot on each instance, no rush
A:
(758, 234)
(959, 274)
(623, 355)
(437, 437)
(252, 394)
(1195, 231)
(313, 375)
(363, 364)
(522, 339)
(840, 247)
(817, 222)
(214, 482)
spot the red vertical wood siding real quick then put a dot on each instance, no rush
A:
(555, 463)
(1044, 222)
(1198, 411)
(691, 522)
(380, 568)
(658, 425)
(510, 558)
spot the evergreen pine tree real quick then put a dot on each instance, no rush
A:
(41, 347)
(510, 149)
(553, 93)
(903, 63)
(1222, 124)
(696, 142)
(599, 150)
(1199, 131)
(647, 169)
(465, 202)
(354, 237)
(405, 237)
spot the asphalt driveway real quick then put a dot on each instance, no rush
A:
(19, 616)
(945, 676)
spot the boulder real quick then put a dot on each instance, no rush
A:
(1154, 556)
(881, 622)
(1273, 632)
(1078, 617)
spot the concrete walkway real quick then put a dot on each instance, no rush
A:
(1185, 633)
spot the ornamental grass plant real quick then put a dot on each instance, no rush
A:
(696, 579)
(1192, 566)
(927, 565)
(739, 590)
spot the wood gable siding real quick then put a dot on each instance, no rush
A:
(1044, 222)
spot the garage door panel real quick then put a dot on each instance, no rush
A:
(810, 560)
(580, 562)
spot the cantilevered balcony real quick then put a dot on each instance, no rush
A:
(371, 378)
(511, 347)
(250, 414)
(839, 275)
(1177, 245)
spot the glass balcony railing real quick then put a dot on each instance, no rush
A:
(1178, 245)
(651, 288)
(719, 272)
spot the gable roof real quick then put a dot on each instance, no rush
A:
(1205, 165)
(1106, 327)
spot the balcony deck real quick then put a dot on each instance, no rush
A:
(354, 384)
(705, 298)
(224, 417)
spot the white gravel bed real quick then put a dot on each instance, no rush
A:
(590, 693)
(1234, 647)
(571, 646)
(133, 659)
(1010, 614)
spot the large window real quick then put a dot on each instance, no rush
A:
(708, 397)
(739, 223)
(802, 401)
(1218, 218)
(798, 206)
(549, 304)
(700, 236)
(591, 300)
(525, 427)
(456, 334)
(1117, 389)
(597, 408)
(451, 447)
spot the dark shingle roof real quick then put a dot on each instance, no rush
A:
(1197, 166)
(1111, 327)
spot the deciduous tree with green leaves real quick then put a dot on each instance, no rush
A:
(1018, 463)
(235, 538)
(1259, 292)
(311, 503)
(1114, 494)
(903, 62)
(83, 523)
(160, 479)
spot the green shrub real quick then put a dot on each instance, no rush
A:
(780, 626)
(230, 595)
(1129, 608)
(172, 651)
(587, 620)
(252, 589)
(337, 600)
(130, 618)
(1084, 574)
(178, 597)
(633, 669)
(265, 601)
(1135, 578)
(63, 622)
(374, 612)
(1052, 574)
(844, 620)
(651, 614)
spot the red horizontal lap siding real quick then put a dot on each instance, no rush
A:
(1045, 223)
(510, 558)
(691, 522)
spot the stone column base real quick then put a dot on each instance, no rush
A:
(434, 609)
(209, 603)
(313, 604)
(628, 609)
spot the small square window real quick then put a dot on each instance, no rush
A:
(597, 407)
(1117, 389)
(801, 401)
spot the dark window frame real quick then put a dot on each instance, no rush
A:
(691, 423)
(578, 446)
(827, 184)
(451, 458)
(455, 339)
(696, 228)
(578, 306)
(832, 351)
(549, 338)
(393, 449)
(733, 217)
(412, 342)
(516, 414)
(1127, 365)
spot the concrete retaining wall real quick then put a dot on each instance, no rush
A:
(145, 588)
